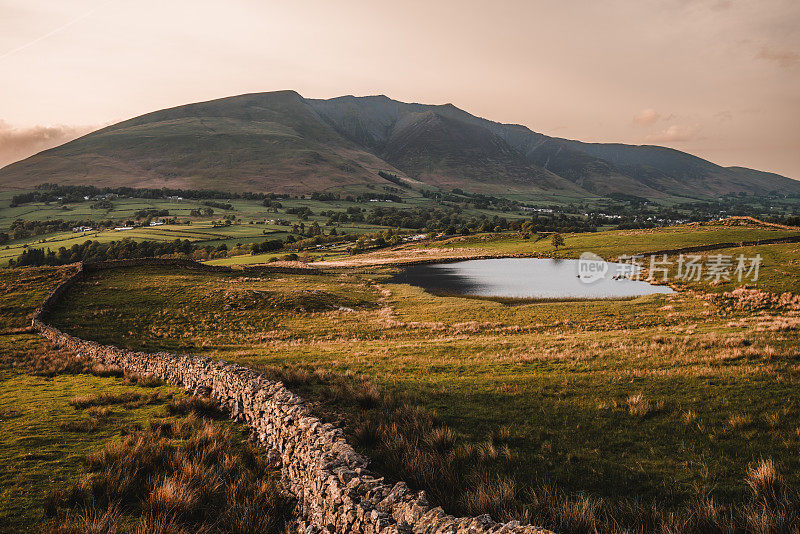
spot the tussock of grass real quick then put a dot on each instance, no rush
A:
(640, 406)
(145, 380)
(198, 476)
(739, 421)
(103, 399)
(100, 369)
(300, 300)
(81, 425)
(198, 405)
(409, 442)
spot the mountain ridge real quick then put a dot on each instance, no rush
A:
(284, 143)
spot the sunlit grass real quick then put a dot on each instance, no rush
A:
(597, 392)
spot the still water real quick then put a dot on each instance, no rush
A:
(530, 278)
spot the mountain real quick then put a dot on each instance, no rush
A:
(284, 143)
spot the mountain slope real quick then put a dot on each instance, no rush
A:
(260, 142)
(281, 142)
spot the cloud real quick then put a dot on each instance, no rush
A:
(782, 56)
(675, 133)
(19, 143)
(646, 117)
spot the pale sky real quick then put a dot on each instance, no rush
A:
(717, 78)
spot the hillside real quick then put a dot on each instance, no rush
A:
(281, 142)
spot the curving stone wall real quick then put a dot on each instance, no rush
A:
(334, 489)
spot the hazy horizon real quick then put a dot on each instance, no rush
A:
(714, 78)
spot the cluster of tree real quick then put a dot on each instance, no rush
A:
(418, 218)
(21, 229)
(303, 212)
(630, 211)
(367, 242)
(202, 212)
(393, 178)
(476, 200)
(311, 230)
(451, 220)
(266, 246)
(219, 205)
(226, 221)
(91, 251)
(325, 196)
(312, 242)
(559, 222)
(76, 193)
(103, 204)
(352, 214)
(258, 196)
(149, 213)
(271, 203)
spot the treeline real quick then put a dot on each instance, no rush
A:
(477, 200)
(77, 193)
(92, 251)
(219, 205)
(452, 221)
(394, 179)
(21, 229)
(65, 194)
(364, 197)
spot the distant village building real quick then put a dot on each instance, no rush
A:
(78, 229)
(156, 223)
(417, 237)
(122, 228)
(538, 210)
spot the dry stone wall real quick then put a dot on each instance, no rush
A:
(335, 490)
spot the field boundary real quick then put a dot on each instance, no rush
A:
(335, 490)
(717, 246)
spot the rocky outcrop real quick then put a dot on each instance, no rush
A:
(335, 490)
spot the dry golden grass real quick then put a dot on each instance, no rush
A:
(147, 380)
(616, 402)
(102, 399)
(740, 421)
(182, 475)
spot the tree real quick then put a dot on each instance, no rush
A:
(557, 240)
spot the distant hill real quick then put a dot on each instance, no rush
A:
(281, 142)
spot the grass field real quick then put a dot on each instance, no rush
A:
(657, 403)
(611, 244)
(57, 410)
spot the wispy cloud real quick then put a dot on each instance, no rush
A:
(646, 117)
(784, 57)
(53, 32)
(674, 133)
(19, 143)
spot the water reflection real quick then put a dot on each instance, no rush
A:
(532, 278)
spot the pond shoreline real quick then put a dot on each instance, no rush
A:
(519, 280)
